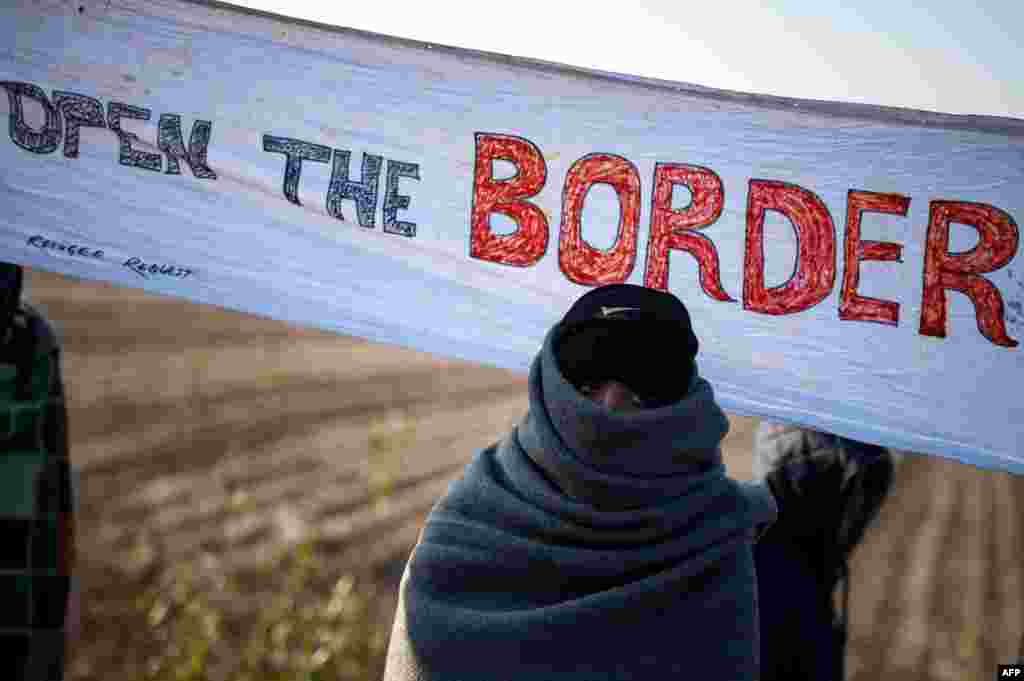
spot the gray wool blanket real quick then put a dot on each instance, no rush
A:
(588, 545)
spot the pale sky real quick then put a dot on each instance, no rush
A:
(937, 55)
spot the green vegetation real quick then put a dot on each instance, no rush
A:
(296, 617)
(305, 631)
(313, 625)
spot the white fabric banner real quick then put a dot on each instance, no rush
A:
(847, 267)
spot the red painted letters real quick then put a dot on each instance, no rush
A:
(997, 244)
(676, 229)
(579, 261)
(815, 271)
(852, 305)
(527, 244)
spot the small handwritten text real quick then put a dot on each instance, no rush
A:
(71, 249)
(150, 269)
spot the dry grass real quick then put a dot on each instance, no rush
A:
(297, 617)
(315, 625)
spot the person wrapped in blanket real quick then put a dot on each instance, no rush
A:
(602, 539)
(39, 615)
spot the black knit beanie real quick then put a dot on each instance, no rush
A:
(639, 336)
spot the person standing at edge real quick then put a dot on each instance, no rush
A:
(601, 538)
(39, 607)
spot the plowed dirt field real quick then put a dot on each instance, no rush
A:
(175, 407)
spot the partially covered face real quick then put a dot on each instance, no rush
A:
(623, 365)
(614, 395)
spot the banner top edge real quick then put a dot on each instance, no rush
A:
(1003, 125)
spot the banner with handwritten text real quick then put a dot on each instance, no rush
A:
(848, 267)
